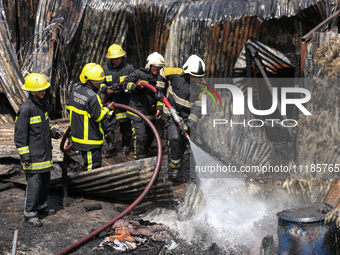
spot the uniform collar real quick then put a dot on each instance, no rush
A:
(120, 66)
(34, 100)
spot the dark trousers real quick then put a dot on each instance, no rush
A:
(92, 159)
(143, 138)
(176, 143)
(38, 185)
(126, 131)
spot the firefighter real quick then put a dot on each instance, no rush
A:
(183, 90)
(86, 114)
(32, 138)
(115, 72)
(144, 101)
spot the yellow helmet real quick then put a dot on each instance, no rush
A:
(35, 82)
(93, 72)
(115, 51)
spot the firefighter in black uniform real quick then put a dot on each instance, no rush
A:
(86, 114)
(144, 100)
(183, 90)
(116, 72)
(32, 138)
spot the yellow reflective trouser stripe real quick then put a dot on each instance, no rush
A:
(23, 150)
(89, 161)
(122, 78)
(81, 112)
(83, 141)
(150, 117)
(121, 115)
(35, 119)
(134, 139)
(108, 78)
(38, 166)
(46, 115)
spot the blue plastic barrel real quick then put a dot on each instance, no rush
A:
(302, 231)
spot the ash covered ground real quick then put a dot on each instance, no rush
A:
(72, 223)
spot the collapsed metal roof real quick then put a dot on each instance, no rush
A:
(59, 37)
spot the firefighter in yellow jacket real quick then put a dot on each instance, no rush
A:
(32, 138)
(86, 114)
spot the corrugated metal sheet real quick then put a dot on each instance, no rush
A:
(10, 77)
(123, 181)
(215, 30)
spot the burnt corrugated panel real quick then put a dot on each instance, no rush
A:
(21, 16)
(215, 30)
(124, 181)
(10, 76)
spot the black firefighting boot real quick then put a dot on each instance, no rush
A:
(126, 144)
(141, 148)
(174, 169)
(111, 142)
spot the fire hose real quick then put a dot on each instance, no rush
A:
(172, 111)
(68, 130)
(141, 196)
(177, 119)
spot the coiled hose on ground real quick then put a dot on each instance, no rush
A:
(137, 201)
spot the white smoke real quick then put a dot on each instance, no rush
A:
(232, 213)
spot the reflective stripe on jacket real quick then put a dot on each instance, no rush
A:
(32, 136)
(86, 113)
(184, 95)
(115, 75)
(144, 100)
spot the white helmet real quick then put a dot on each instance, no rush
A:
(154, 59)
(194, 66)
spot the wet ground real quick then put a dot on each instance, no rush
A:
(72, 223)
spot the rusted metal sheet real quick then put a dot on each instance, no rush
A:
(123, 181)
(276, 63)
(53, 40)
(8, 149)
(10, 76)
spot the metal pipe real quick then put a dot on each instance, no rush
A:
(138, 200)
(15, 242)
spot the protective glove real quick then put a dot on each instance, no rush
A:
(183, 128)
(190, 123)
(115, 88)
(59, 134)
(139, 88)
(159, 95)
